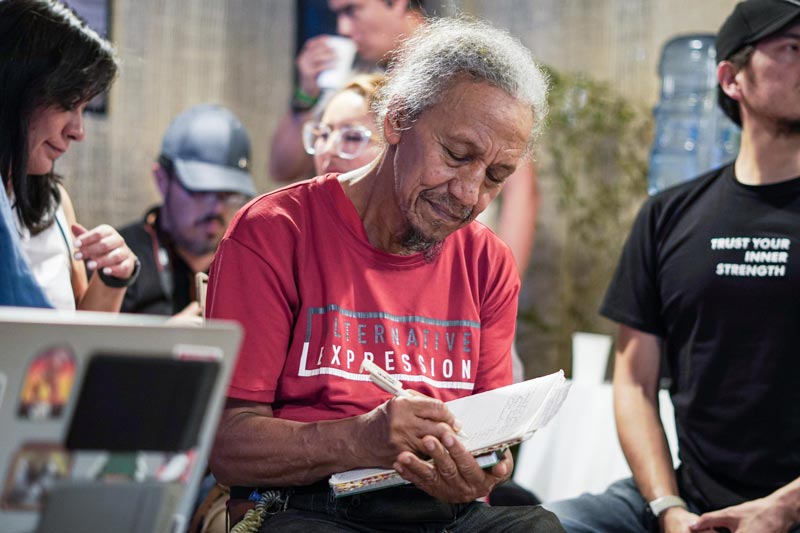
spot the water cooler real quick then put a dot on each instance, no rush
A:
(692, 134)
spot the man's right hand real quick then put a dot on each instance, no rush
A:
(677, 520)
(314, 57)
(399, 425)
(191, 314)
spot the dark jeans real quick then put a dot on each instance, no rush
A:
(403, 509)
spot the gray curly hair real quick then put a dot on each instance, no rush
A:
(422, 69)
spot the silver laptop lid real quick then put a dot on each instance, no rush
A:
(76, 386)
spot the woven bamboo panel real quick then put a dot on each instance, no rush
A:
(175, 54)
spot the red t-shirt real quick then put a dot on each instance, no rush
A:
(296, 269)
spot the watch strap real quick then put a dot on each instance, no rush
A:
(119, 283)
(659, 505)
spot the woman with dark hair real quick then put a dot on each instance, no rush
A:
(51, 65)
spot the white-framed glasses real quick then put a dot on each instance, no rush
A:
(349, 142)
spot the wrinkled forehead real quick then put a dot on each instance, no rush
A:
(481, 117)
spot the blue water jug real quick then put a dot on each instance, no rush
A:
(692, 135)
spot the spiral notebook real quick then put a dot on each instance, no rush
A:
(492, 420)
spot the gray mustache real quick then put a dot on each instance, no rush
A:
(449, 204)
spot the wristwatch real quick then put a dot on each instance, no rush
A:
(659, 505)
(119, 283)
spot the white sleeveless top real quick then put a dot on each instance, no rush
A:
(49, 255)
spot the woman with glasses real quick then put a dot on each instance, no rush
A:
(51, 65)
(345, 138)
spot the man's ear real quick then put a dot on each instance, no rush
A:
(392, 123)
(162, 179)
(726, 75)
(391, 130)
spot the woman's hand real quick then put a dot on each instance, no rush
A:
(104, 250)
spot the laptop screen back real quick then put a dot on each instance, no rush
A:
(130, 403)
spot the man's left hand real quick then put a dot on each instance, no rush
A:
(763, 515)
(454, 476)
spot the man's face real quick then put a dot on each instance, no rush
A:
(373, 25)
(454, 159)
(770, 82)
(196, 221)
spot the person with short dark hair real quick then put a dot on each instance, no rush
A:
(51, 65)
(710, 276)
(203, 175)
(383, 262)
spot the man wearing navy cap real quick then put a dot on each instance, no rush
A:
(710, 275)
(203, 174)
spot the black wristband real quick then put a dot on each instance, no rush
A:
(119, 283)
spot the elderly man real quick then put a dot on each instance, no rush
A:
(203, 176)
(383, 262)
(710, 275)
(377, 27)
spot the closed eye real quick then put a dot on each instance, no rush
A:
(456, 157)
(494, 179)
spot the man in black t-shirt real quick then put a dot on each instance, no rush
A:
(711, 276)
(204, 178)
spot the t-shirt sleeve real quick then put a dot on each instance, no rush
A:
(251, 284)
(498, 323)
(633, 297)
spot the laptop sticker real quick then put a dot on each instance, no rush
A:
(36, 467)
(47, 385)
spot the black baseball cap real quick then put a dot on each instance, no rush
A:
(209, 150)
(753, 20)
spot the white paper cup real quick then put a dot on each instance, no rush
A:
(590, 356)
(336, 77)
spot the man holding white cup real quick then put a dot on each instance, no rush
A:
(369, 28)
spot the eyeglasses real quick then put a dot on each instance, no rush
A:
(349, 142)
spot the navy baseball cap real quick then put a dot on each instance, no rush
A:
(209, 150)
(753, 20)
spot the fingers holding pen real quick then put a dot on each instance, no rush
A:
(400, 424)
(417, 416)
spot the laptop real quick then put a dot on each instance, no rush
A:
(106, 421)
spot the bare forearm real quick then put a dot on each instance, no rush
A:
(641, 434)
(288, 159)
(517, 220)
(258, 451)
(643, 441)
(788, 497)
(99, 297)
